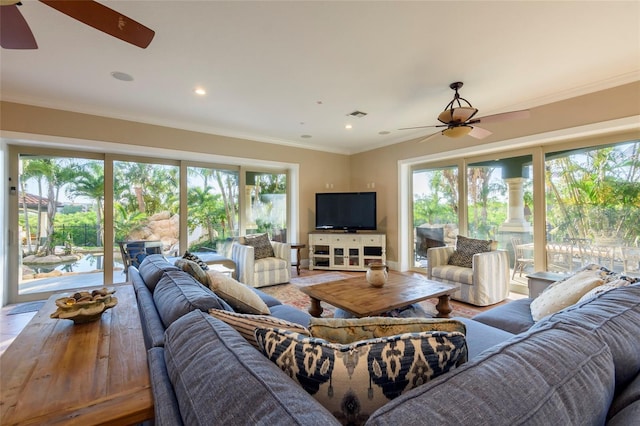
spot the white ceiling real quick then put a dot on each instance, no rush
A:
(275, 71)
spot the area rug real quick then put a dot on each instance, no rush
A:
(290, 294)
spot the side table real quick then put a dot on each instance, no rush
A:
(539, 281)
(297, 248)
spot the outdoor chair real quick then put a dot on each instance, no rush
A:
(521, 261)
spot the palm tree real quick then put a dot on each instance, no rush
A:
(90, 184)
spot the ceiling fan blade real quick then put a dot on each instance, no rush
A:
(104, 19)
(14, 30)
(422, 127)
(431, 136)
(513, 115)
(479, 133)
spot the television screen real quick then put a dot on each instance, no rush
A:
(349, 211)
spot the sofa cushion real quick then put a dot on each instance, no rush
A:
(269, 264)
(220, 379)
(514, 317)
(152, 268)
(194, 269)
(261, 244)
(556, 373)
(239, 296)
(349, 330)
(628, 396)
(466, 248)
(268, 299)
(611, 317)
(246, 324)
(481, 337)
(178, 293)
(564, 293)
(452, 273)
(291, 314)
(354, 380)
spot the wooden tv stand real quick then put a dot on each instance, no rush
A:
(346, 252)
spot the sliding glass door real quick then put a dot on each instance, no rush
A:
(60, 213)
(435, 209)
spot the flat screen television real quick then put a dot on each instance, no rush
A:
(347, 211)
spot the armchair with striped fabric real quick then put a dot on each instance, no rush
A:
(262, 272)
(486, 283)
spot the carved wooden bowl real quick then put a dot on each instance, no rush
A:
(84, 306)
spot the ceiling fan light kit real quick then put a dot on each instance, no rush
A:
(458, 119)
(457, 132)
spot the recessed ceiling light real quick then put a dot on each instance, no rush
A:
(348, 126)
(200, 91)
(306, 136)
(384, 132)
(122, 76)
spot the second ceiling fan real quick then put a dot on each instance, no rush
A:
(459, 119)
(16, 34)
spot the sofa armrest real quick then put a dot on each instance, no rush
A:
(438, 256)
(491, 269)
(282, 251)
(244, 256)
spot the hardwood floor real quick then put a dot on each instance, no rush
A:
(11, 325)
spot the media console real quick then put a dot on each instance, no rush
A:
(348, 252)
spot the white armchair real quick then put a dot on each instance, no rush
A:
(262, 272)
(486, 283)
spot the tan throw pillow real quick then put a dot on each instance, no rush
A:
(193, 269)
(466, 248)
(349, 330)
(261, 245)
(239, 296)
(246, 324)
(352, 381)
(565, 293)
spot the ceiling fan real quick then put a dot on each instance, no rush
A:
(459, 121)
(16, 34)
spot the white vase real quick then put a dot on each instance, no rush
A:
(377, 274)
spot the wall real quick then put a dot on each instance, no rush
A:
(382, 165)
(356, 172)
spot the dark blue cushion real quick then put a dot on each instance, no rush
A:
(178, 293)
(220, 379)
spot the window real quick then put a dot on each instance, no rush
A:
(100, 213)
(435, 209)
(593, 206)
(60, 222)
(213, 207)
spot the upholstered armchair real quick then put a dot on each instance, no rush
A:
(262, 272)
(485, 283)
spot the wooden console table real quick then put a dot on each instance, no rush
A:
(56, 372)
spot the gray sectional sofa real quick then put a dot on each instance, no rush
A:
(579, 366)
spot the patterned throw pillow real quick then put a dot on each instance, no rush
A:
(352, 381)
(192, 257)
(466, 248)
(261, 244)
(246, 324)
(193, 269)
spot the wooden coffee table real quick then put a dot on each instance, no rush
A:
(56, 372)
(356, 296)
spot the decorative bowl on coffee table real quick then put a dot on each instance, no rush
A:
(83, 306)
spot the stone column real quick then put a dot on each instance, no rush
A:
(515, 216)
